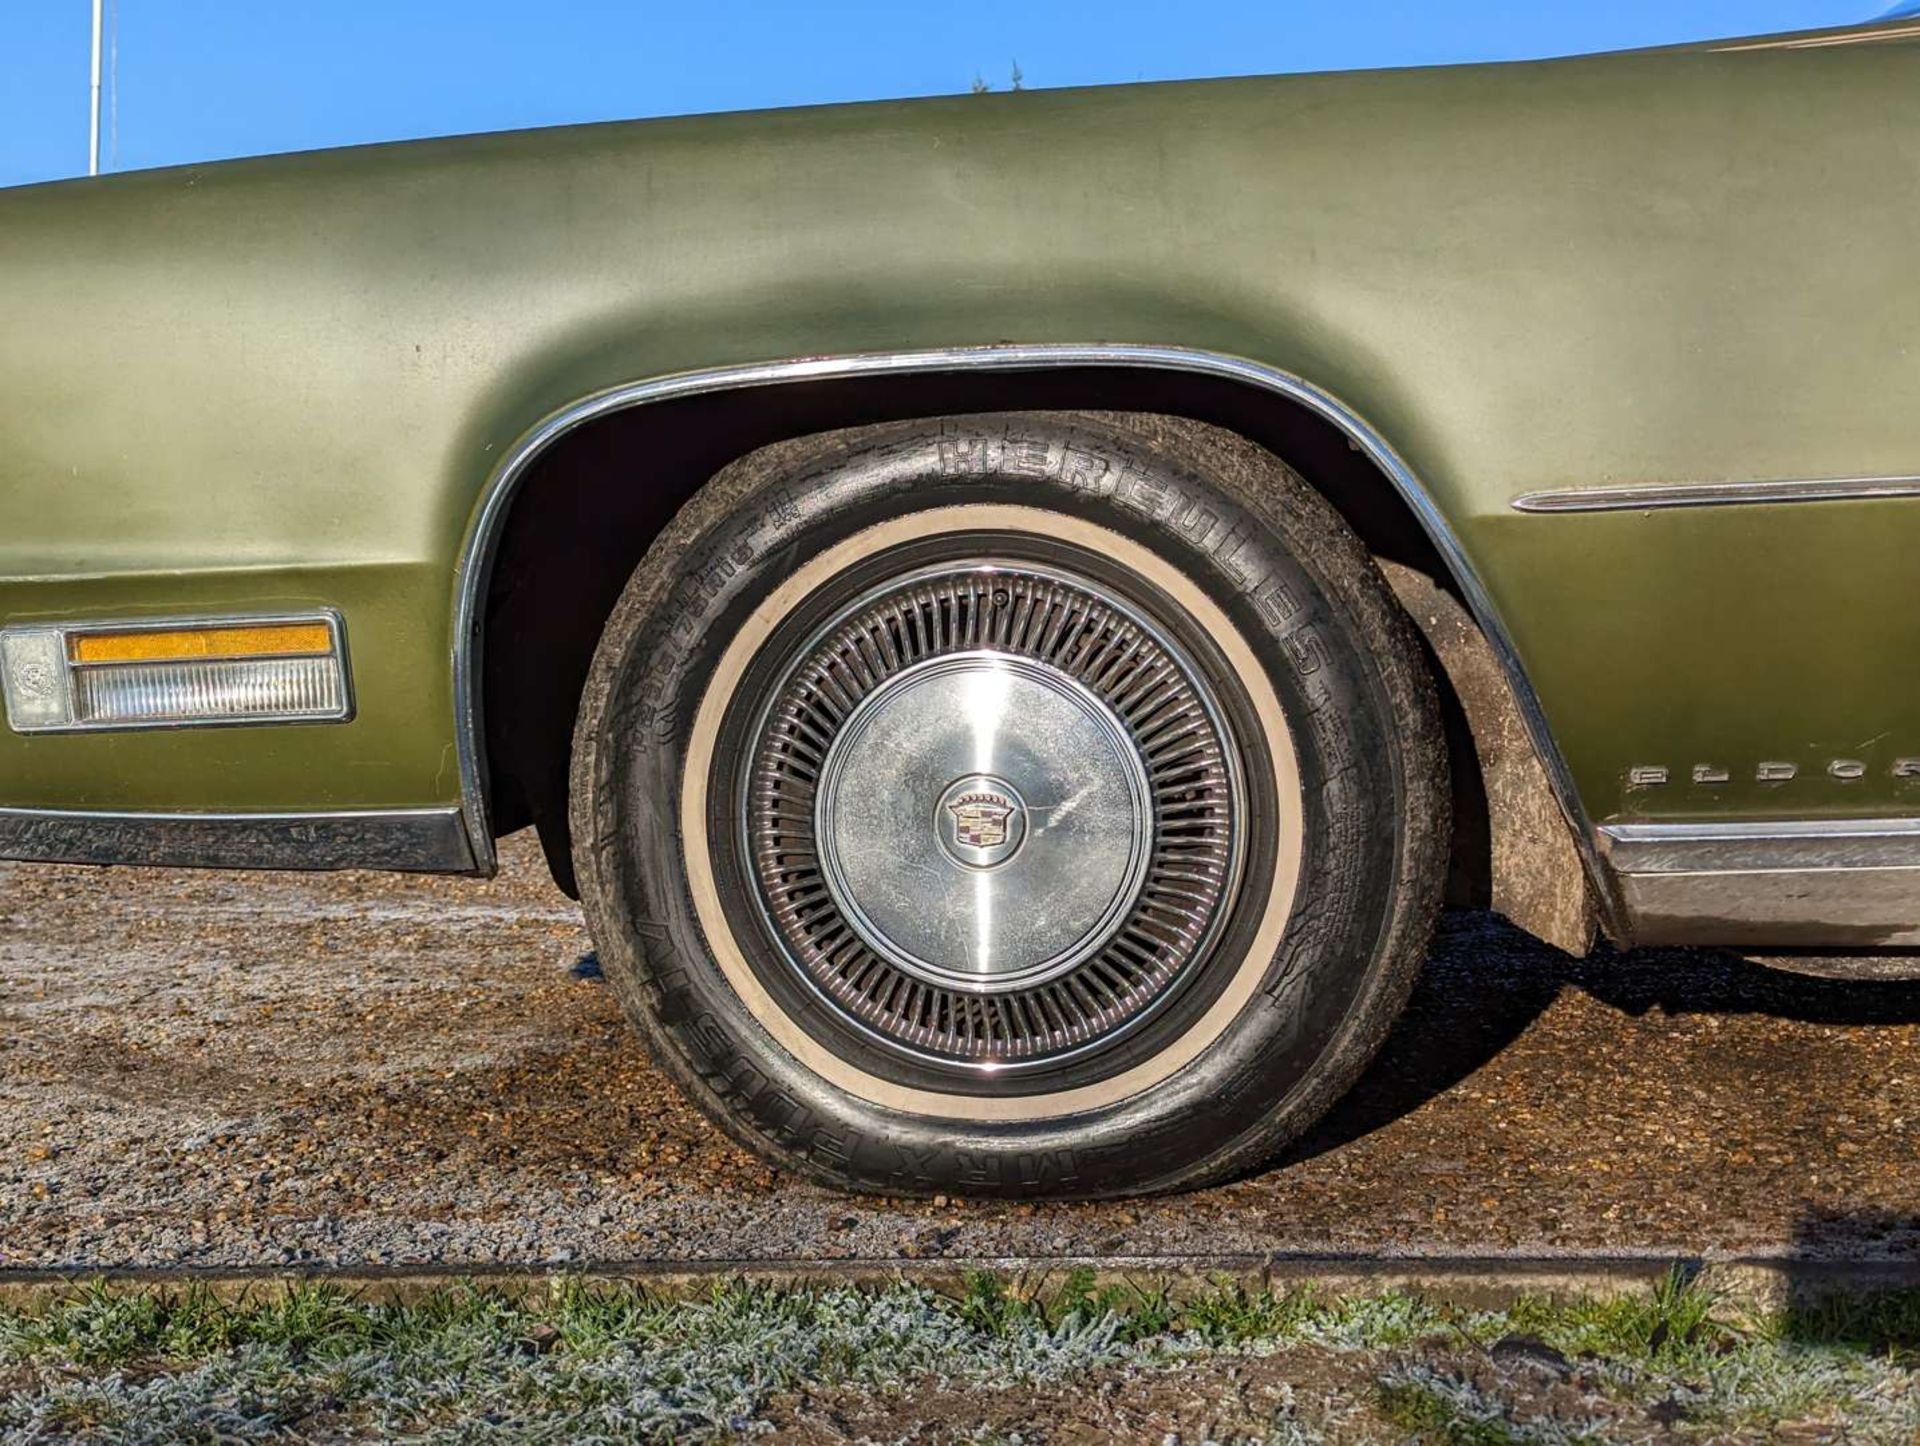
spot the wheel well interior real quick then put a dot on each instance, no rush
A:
(593, 501)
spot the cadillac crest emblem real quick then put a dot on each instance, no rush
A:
(980, 819)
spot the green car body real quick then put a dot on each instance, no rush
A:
(313, 382)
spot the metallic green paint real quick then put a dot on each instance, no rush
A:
(286, 382)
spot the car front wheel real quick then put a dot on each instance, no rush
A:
(1013, 805)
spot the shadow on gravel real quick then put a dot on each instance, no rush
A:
(1828, 1306)
(1486, 982)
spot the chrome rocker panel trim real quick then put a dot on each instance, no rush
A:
(1834, 883)
(476, 562)
(1716, 494)
(409, 840)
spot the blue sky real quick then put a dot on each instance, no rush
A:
(202, 79)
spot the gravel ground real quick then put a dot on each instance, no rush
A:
(256, 1070)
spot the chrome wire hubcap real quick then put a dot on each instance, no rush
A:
(993, 815)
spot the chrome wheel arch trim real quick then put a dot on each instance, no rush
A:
(477, 553)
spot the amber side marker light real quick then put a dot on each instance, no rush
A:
(76, 676)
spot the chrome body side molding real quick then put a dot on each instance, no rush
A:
(411, 840)
(476, 562)
(1716, 494)
(1822, 41)
(1827, 883)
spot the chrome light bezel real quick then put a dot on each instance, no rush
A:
(66, 632)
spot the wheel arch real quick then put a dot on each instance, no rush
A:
(569, 488)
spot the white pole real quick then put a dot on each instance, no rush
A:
(93, 129)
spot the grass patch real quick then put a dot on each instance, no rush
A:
(1003, 1309)
(1433, 1409)
(586, 1362)
(1674, 1323)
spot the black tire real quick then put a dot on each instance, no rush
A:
(1270, 607)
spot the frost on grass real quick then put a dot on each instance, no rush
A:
(1849, 1369)
(585, 1363)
